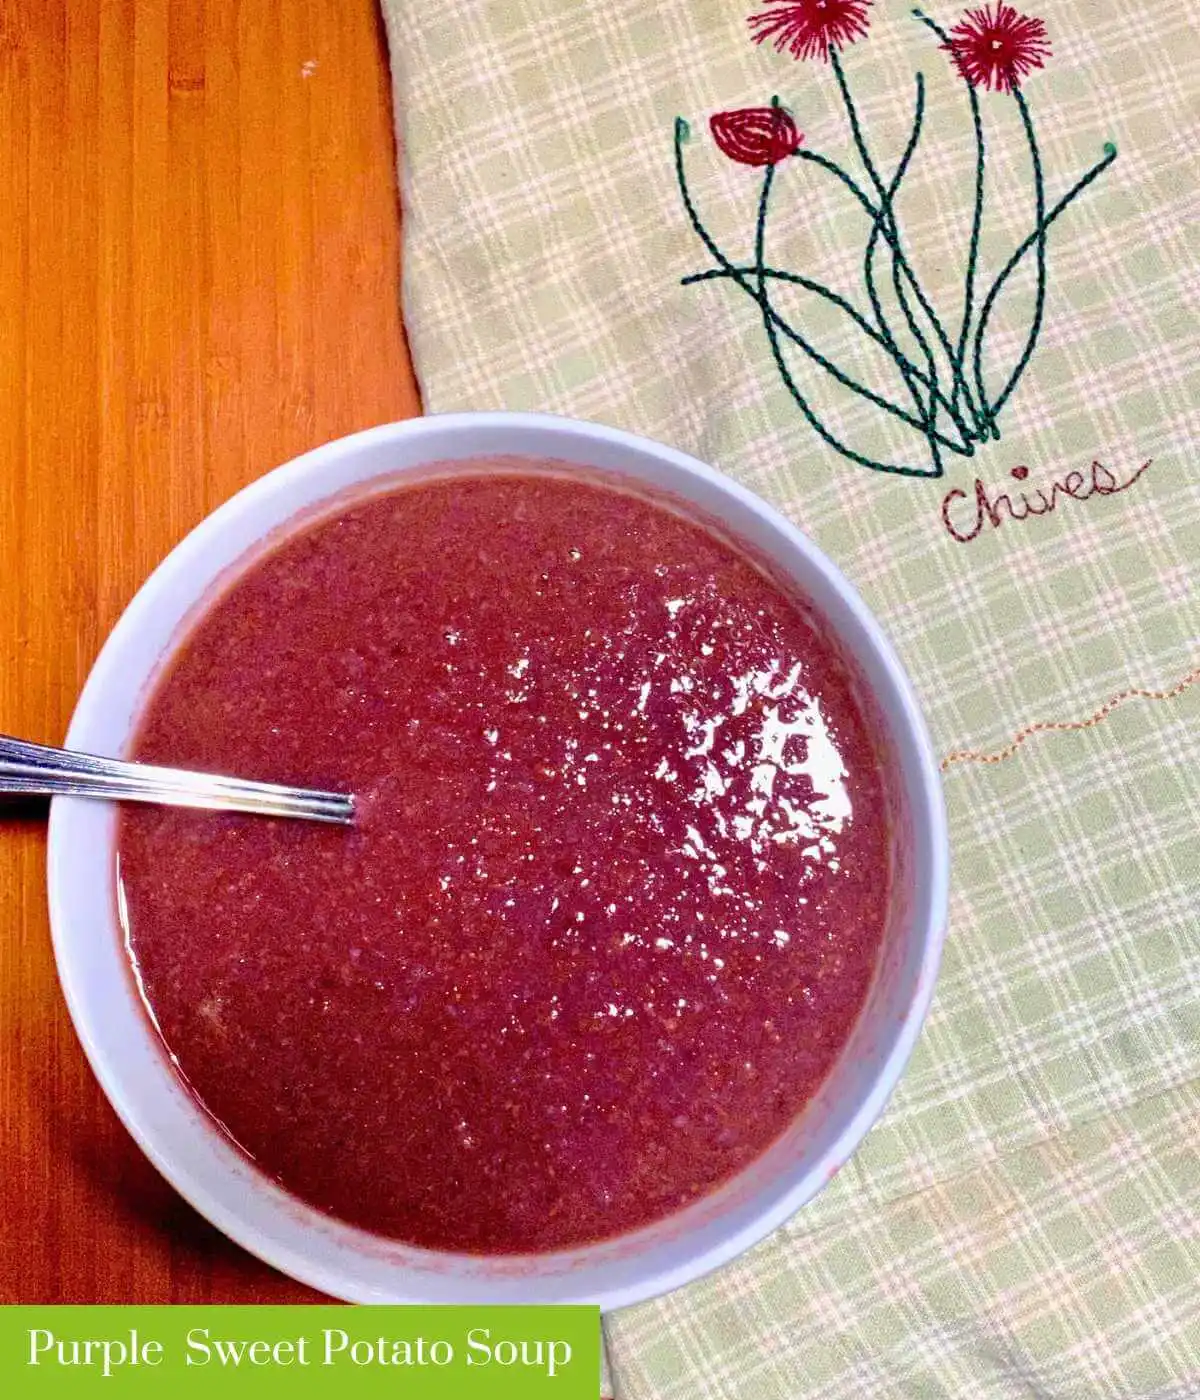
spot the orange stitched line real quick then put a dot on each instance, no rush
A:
(1044, 726)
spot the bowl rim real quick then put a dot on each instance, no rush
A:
(932, 898)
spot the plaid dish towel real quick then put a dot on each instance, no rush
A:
(929, 283)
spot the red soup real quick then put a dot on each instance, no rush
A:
(616, 888)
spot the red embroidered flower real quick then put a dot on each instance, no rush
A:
(756, 135)
(810, 28)
(997, 46)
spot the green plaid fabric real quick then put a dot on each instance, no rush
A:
(1025, 1219)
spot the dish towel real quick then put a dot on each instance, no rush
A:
(928, 282)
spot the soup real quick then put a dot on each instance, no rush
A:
(616, 887)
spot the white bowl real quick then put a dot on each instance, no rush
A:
(174, 1132)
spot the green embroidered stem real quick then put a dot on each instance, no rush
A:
(770, 314)
(777, 354)
(886, 220)
(894, 240)
(1039, 186)
(960, 355)
(889, 342)
(882, 218)
(982, 420)
(885, 215)
(740, 276)
(1038, 235)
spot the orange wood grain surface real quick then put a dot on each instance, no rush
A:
(199, 278)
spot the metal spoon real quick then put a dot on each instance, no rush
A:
(39, 771)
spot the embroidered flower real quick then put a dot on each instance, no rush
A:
(997, 46)
(810, 28)
(756, 135)
(994, 46)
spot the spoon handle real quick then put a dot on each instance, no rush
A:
(36, 770)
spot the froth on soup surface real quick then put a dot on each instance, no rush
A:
(616, 889)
